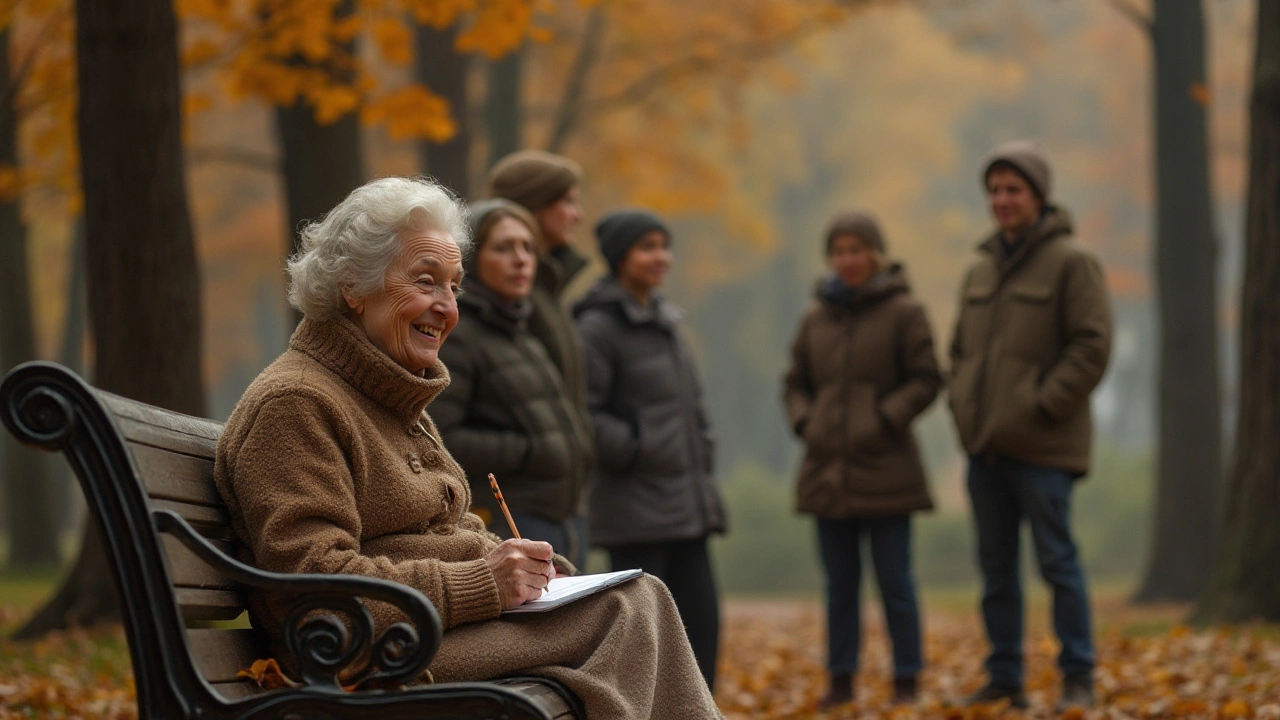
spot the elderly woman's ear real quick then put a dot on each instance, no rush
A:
(355, 304)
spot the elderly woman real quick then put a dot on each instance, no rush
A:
(331, 464)
(862, 369)
(506, 410)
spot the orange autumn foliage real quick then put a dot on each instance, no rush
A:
(276, 51)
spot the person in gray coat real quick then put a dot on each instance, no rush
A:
(653, 497)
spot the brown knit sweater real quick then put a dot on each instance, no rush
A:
(330, 464)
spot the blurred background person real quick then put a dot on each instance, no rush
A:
(1031, 343)
(548, 186)
(506, 410)
(653, 497)
(862, 369)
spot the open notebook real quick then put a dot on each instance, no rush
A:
(562, 591)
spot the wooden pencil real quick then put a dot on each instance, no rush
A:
(502, 503)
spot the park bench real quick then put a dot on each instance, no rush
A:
(147, 476)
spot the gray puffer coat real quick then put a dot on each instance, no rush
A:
(653, 479)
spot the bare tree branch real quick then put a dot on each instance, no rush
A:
(571, 104)
(247, 159)
(1133, 12)
(642, 89)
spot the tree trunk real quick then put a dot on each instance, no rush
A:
(1244, 585)
(503, 116)
(143, 282)
(322, 164)
(1189, 455)
(571, 104)
(25, 474)
(442, 69)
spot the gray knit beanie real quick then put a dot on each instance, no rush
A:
(1028, 159)
(859, 223)
(618, 230)
(533, 178)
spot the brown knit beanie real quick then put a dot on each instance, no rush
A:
(533, 178)
(859, 223)
(1027, 158)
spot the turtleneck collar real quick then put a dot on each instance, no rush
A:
(487, 301)
(837, 294)
(343, 348)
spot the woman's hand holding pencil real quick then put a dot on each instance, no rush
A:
(521, 568)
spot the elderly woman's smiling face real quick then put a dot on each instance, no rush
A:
(410, 317)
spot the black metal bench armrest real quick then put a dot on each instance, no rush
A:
(329, 652)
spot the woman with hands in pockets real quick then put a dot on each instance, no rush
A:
(862, 369)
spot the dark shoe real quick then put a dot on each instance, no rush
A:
(991, 693)
(1077, 691)
(904, 690)
(841, 692)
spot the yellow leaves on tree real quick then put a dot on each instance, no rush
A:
(277, 51)
(412, 112)
(289, 51)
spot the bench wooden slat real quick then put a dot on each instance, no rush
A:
(146, 433)
(202, 517)
(187, 570)
(200, 604)
(220, 654)
(137, 416)
(544, 696)
(175, 476)
(240, 689)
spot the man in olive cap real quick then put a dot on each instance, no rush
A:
(547, 185)
(1031, 343)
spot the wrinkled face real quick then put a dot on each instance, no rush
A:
(409, 318)
(647, 262)
(507, 260)
(559, 219)
(1014, 204)
(852, 260)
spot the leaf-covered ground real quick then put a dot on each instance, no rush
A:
(772, 660)
(1148, 666)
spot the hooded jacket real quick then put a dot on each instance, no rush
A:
(653, 480)
(1031, 343)
(862, 369)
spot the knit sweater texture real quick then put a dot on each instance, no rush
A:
(330, 464)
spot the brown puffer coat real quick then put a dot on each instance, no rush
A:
(1031, 342)
(861, 371)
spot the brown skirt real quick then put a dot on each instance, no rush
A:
(623, 651)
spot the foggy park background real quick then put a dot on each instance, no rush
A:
(890, 109)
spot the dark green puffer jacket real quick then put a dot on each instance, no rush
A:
(506, 412)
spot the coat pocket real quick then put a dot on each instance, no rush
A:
(865, 430)
(664, 442)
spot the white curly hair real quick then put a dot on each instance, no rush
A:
(352, 246)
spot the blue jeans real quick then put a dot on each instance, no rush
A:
(1003, 492)
(840, 544)
(569, 538)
